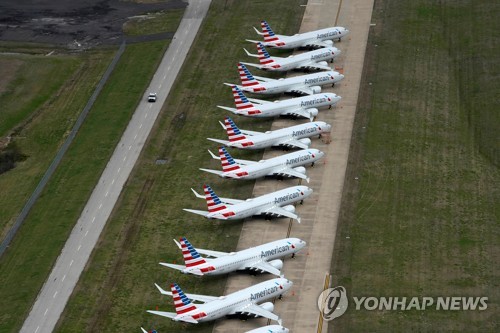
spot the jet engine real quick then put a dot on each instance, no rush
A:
(300, 169)
(306, 141)
(329, 42)
(313, 112)
(323, 63)
(289, 208)
(267, 306)
(278, 264)
(316, 89)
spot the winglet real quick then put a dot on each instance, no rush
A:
(197, 194)
(162, 291)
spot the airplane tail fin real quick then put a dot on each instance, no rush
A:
(246, 77)
(191, 257)
(227, 161)
(233, 132)
(264, 57)
(268, 33)
(181, 302)
(243, 104)
(213, 202)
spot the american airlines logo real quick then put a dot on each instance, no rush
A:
(327, 34)
(312, 102)
(304, 131)
(265, 292)
(287, 197)
(298, 159)
(317, 80)
(278, 249)
(321, 55)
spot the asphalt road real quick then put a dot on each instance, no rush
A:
(69, 265)
(319, 213)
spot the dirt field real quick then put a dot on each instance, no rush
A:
(89, 23)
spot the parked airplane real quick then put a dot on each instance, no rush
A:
(243, 302)
(315, 60)
(305, 106)
(294, 136)
(270, 329)
(308, 84)
(288, 165)
(279, 203)
(311, 39)
(262, 258)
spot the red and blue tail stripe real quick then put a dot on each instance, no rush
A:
(181, 302)
(227, 161)
(246, 77)
(191, 256)
(264, 56)
(233, 132)
(213, 202)
(269, 35)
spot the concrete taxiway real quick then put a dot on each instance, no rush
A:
(58, 287)
(299, 309)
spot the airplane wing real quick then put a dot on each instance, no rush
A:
(317, 44)
(301, 90)
(293, 143)
(300, 112)
(291, 173)
(258, 311)
(205, 252)
(276, 210)
(193, 297)
(315, 66)
(263, 266)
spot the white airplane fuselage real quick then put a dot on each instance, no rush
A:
(287, 106)
(227, 305)
(313, 81)
(303, 60)
(307, 39)
(252, 207)
(274, 138)
(244, 259)
(273, 165)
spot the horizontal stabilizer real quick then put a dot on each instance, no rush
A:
(233, 110)
(215, 172)
(177, 267)
(224, 142)
(195, 211)
(170, 315)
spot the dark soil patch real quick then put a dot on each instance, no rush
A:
(77, 24)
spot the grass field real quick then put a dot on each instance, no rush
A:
(421, 218)
(117, 286)
(60, 205)
(41, 99)
(154, 23)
